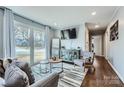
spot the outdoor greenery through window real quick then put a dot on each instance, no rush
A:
(30, 43)
(39, 45)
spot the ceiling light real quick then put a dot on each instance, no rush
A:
(55, 24)
(93, 13)
(96, 26)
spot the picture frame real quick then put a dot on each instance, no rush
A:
(114, 33)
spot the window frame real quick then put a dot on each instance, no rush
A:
(31, 40)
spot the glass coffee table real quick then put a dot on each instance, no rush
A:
(44, 66)
(49, 66)
(52, 62)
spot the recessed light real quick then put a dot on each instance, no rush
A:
(55, 24)
(96, 26)
(93, 13)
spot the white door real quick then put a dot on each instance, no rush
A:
(97, 41)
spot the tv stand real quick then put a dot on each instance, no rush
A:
(68, 55)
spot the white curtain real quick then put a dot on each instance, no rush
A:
(8, 34)
(47, 41)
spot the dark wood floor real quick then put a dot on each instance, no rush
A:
(103, 76)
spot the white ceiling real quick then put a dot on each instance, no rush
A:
(65, 16)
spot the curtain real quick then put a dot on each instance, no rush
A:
(8, 34)
(47, 43)
(49, 35)
(1, 33)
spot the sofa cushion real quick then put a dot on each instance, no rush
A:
(2, 70)
(27, 69)
(6, 63)
(51, 80)
(15, 77)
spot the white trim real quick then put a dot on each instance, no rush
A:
(119, 75)
(114, 13)
(100, 55)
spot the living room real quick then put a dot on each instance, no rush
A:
(51, 46)
(37, 45)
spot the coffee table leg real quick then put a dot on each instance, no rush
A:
(40, 69)
(62, 66)
(50, 68)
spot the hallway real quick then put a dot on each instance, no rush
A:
(104, 75)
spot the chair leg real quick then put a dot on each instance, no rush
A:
(84, 68)
(93, 69)
(74, 65)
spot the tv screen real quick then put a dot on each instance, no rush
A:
(64, 34)
(72, 33)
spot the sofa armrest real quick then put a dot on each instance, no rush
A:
(49, 81)
(2, 82)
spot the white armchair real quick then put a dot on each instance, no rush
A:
(86, 57)
(79, 62)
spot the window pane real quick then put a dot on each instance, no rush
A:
(22, 37)
(30, 43)
(39, 46)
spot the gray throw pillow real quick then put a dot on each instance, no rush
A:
(15, 77)
(27, 69)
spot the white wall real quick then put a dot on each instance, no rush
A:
(87, 39)
(97, 41)
(74, 43)
(115, 49)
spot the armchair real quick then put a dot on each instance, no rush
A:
(85, 60)
(80, 62)
(89, 61)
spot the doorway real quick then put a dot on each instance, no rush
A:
(97, 45)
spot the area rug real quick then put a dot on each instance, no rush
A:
(70, 77)
(39, 75)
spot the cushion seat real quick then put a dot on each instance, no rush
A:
(79, 62)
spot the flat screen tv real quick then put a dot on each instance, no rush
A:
(68, 34)
(72, 33)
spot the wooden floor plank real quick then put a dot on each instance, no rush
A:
(103, 76)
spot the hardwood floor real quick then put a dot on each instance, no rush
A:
(103, 76)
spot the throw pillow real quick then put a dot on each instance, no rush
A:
(15, 77)
(6, 63)
(27, 69)
(2, 70)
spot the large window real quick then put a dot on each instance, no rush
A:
(39, 45)
(30, 43)
(22, 37)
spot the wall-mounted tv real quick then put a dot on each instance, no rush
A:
(69, 34)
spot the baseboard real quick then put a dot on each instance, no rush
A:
(99, 55)
(120, 77)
